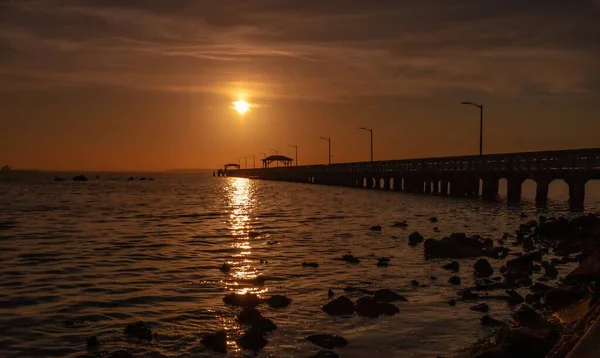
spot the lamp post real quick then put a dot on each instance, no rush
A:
(253, 161)
(480, 106)
(295, 147)
(245, 162)
(264, 156)
(370, 130)
(239, 163)
(329, 140)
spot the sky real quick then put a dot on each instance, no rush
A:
(148, 85)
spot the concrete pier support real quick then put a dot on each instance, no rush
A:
(444, 187)
(427, 184)
(541, 191)
(490, 186)
(577, 192)
(514, 189)
(436, 187)
(387, 183)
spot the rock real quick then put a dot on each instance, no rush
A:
(249, 316)
(482, 307)
(523, 282)
(120, 354)
(383, 261)
(376, 228)
(80, 178)
(540, 287)
(279, 301)
(216, 341)
(526, 316)
(92, 342)
(400, 224)
(310, 264)
(486, 320)
(340, 306)
(329, 341)
(433, 219)
(454, 266)
(253, 339)
(225, 268)
(432, 278)
(357, 289)
(558, 298)
(368, 307)
(274, 242)
(436, 229)
(415, 238)
(523, 215)
(325, 354)
(385, 295)
(330, 293)
(351, 259)
(519, 342)
(588, 270)
(515, 297)
(452, 302)
(482, 268)
(468, 295)
(138, 330)
(242, 300)
(528, 244)
(59, 179)
(454, 280)
(549, 270)
(537, 268)
(458, 246)
(415, 283)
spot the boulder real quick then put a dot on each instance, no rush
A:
(330, 293)
(225, 268)
(452, 302)
(310, 264)
(385, 295)
(457, 246)
(376, 228)
(454, 280)
(415, 238)
(328, 341)
(138, 330)
(325, 354)
(519, 342)
(482, 268)
(400, 224)
(558, 298)
(482, 307)
(415, 283)
(242, 300)
(515, 297)
(249, 316)
(351, 259)
(369, 307)
(588, 270)
(549, 270)
(279, 301)
(526, 316)
(340, 306)
(486, 320)
(454, 266)
(216, 341)
(253, 339)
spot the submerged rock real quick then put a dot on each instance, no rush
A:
(121, 354)
(330, 293)
(92, 342)
(310, 264)
(454, 266)
(253, 339)
(452, 302)
(351, 259)
(329, 341)
(369, 307)
(249, 316)
(376, 228)
(279, 301)
(242, 300)
(482, 307)
(383, 261)
(225, 268)
(482, 268)
(400, 224)
(433, 219)
(340, 306)
(80, 178)
(458, 246)
(415, 238)
(216, 341)
(138, 330)
(415, 283)
(385, 295)
(454, 280)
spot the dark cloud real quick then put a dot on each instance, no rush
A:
(317, 49)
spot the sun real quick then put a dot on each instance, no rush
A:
(241, 106)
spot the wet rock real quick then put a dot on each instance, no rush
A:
(358, 289)
(452, 302)
(383, 261)
(486, 320)
(526, 316)
(279, 301)
(253, 339)
(242, 300)
(274, 242)
(368, 307)
(537, 268)
(249, 316)
(80, 178)
(540, 287)
(519, 342)
(515, 298)
(310, 264)
(138, 330)
(121, 354)
(225, 268)
(432, 278)
(376, 228)
(549, 270)
(216, 341)
(340, 306)
(351, 259)
(482, 307)
(588, 270)
(330, 293)
(528, 244)
(457, 246)
(433, 219)
(253, 234)
(385, 295)
(415, 238)
(436, 229)
(92, 342)
(59, 179)
(325, 354)
(497, 278)
(467, 294)
(523, 215)
(415, 283)
(454, 280)
(523, 282)
(329, 341)
(558, 298)
(454, 266)
(482, 268)
(400, 224)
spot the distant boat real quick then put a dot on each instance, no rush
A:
(5, 168)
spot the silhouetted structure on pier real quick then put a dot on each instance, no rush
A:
(277, 159)
(454, 176)
(223, 172)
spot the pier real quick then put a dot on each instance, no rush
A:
(452, 176)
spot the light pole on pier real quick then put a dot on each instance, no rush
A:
(239, 162)
(295, 147)
(245, 162)
(480, 106)
(329, 140)
(253, 161)
(370, 130)
(264, 156)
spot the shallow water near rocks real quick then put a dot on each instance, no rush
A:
(82, 259)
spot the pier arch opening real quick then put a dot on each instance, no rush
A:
(528, 189)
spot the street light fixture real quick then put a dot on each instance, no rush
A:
(370, 130)
(253, 161)
(480, 106)
(295, 147)
(329, 140)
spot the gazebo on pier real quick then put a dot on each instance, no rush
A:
(226, 167)
(286, 161)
